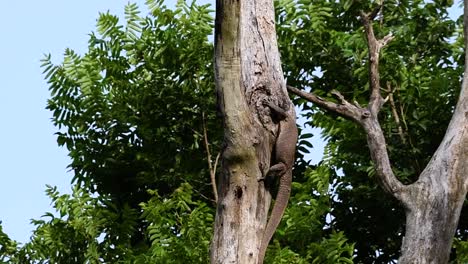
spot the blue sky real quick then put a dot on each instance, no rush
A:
(29, 155)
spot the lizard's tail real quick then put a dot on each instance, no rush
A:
(284, 190)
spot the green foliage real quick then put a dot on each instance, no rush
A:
(302, 237)
(461, 250)
(334, 249)
(130, 109)
(130, 113)
(8, 247)
(92, 230)
(323, 48)
(180, 229)
(87, 230)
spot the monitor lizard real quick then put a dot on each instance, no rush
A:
(283, 158)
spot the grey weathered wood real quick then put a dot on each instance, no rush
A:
(435, 200)
(248, 73)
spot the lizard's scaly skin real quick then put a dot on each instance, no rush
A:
(285, 148)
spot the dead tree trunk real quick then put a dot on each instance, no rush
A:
(248, 79)
(432, 203)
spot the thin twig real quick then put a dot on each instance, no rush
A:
(416, 165)
(208, 154)
(395, 114)
(216, 163)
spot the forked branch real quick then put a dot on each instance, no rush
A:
(343, 108)
(375, 45)
(367, 117)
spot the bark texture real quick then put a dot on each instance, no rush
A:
(248, 75)
(433, 203)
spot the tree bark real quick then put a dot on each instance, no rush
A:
(248, 74)
(433, 203)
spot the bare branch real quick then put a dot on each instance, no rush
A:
(401, 110)
(396, 117)
(367, 117)
(376, 101)
(339, 96)
(383, 42)
(203, 196)
(216, 164)
(375, 137)
(208, 157)
(344, 108)
(379, 155)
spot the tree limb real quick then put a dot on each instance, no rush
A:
(344, 108)
(375, 137)
(367, 117)
(376, 101)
